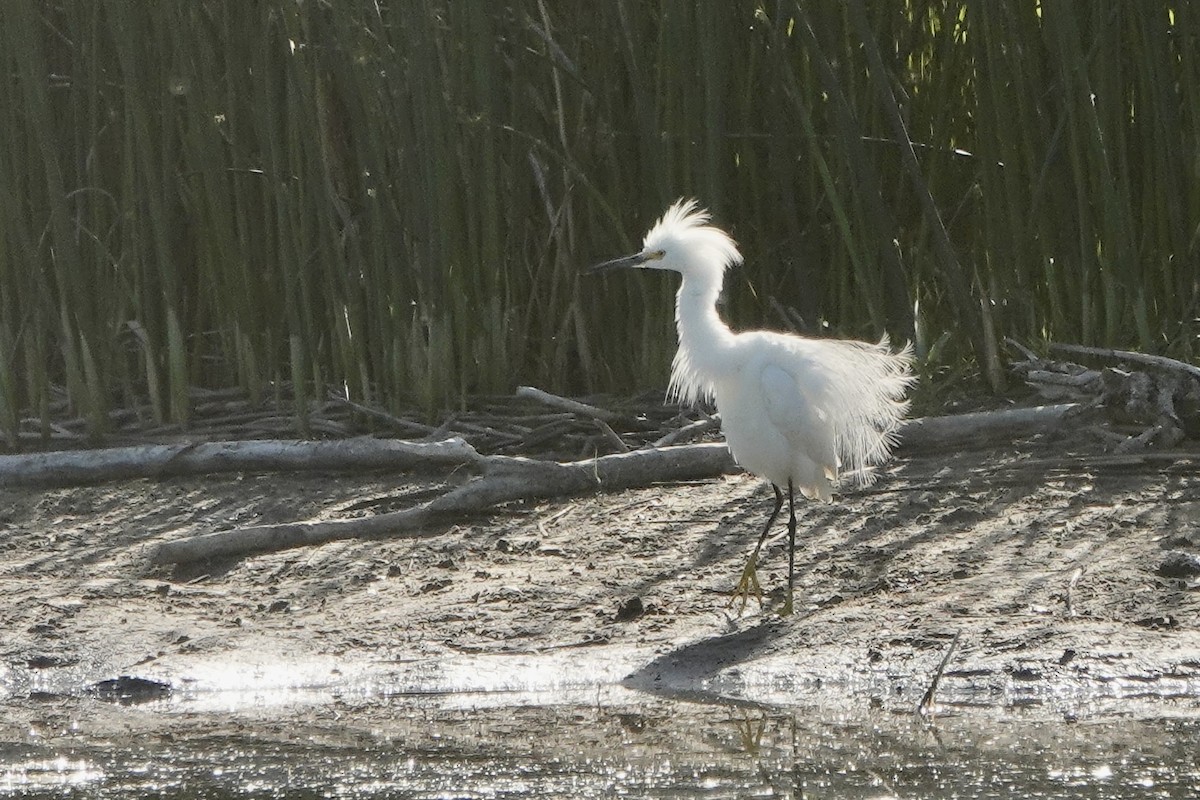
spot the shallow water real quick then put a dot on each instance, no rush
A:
(619, 744)
(566, 724)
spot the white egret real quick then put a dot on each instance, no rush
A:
(800, 412)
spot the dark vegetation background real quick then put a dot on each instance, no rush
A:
(393, 199)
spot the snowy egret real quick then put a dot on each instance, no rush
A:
(800, 412)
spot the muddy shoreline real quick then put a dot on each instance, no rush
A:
(1052, 576)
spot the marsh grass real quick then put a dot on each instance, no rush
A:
(393, 200)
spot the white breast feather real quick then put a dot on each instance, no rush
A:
(687, 385)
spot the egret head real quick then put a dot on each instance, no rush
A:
(683, 241)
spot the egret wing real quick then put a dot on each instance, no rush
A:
(797, 406)
(863, 386)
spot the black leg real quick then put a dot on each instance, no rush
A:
(749, 582)
(791, 546)
(771, 519)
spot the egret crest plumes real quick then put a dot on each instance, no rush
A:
(688, 244)
(798, 411)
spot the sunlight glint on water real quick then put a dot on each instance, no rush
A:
(50, 773)
(380, 746)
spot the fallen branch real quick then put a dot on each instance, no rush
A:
(964, 431)
(408, 426)
(507, 479)
(927, 701)
(1163, 433)
(1070, 597)
(602, 416)
(1162, 362)
(688, 431)
(566, 404)
(504, 479)
(1132, 409)
(73, 467)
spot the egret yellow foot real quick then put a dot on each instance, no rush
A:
(786, 611)
(746, 586)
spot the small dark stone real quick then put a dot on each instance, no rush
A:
(1158, 622)
(511, 547)
(634, 723)
(1025, 674)
(1178, 564)
(129, 690)
(631, 609)
(278, 606)
(50, 662)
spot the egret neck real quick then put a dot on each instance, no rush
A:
(705, 341)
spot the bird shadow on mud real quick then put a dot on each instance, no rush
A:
(687, 668)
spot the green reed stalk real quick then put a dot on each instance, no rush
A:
(394, 200)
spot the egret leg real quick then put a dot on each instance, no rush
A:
(787, 604)
(749, 582)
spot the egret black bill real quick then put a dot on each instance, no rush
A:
(635, 260)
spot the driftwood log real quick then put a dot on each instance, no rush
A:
(976, 429)
(1134, 402)
(1161, 362)
(506, 479)
(73, 467)
(1162, 406)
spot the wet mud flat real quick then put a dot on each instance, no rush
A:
(585, 646)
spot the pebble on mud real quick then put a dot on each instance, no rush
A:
(129, 690)
(630, 610)
(435, 585)
(1177, 564)
(50, 662)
